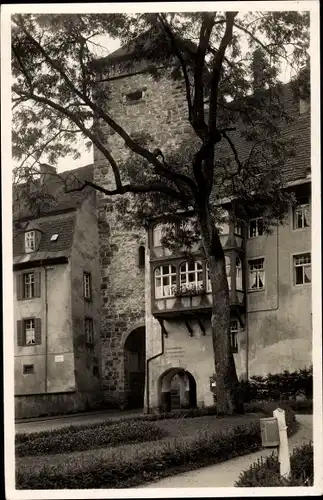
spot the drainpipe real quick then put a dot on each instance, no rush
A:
(264, 310)
(147, 366)
(46, 328)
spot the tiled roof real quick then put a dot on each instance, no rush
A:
(294, 167)
(58, 199)
(60, 224)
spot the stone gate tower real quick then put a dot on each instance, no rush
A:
(139, 103)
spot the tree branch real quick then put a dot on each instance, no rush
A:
(198, 103)
(135, 147)
(216, 73)
(82, 127)
(131, 188)
(171, 37)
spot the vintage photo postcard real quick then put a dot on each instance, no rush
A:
(161, 210)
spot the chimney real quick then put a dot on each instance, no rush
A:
(47, 173)
(257, 66)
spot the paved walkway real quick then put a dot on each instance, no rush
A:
(50, 423)
(226, 473)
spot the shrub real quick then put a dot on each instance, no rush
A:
(265, 472)
(83, 439)
(286, 385)
(123, 470)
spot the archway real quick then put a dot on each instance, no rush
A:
(134, 367)
(177, 389)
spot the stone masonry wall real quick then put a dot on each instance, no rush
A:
(162, 113)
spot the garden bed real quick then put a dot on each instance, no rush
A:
(191, 443)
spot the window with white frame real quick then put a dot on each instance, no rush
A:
(256, 227)
(158, 231)
(165, 281)
(30, 332)
(227, 270)
(29, 285)
(238, 274)
(256, 274)
(302, 269)
(191, 275)
(234, 330)
(87, 292)
(302, 214)
(89, 337)
(238, 229)
(30, 241)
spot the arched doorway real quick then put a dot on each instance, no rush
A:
(177, 389)
(134, 367)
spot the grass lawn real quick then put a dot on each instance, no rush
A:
(179, 431)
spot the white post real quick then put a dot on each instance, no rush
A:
(284, 459)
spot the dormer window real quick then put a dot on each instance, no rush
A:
(30, 241)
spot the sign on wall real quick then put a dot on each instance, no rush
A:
(59, 358)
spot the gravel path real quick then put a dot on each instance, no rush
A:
(226, 473)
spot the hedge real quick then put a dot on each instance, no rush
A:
(163, 459)
(259, 407)
(265, 472)
(123, 469)
(286, 385)
(84, 439)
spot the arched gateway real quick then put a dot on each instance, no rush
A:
(134, 367)
(176, 389)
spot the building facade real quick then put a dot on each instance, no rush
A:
(269, 275)
(57, 303)
(91, 276)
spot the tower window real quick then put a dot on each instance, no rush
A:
(133, 97)
(141, 256)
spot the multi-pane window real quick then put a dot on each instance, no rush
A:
(29, 285)
(30, 241)
(302, 269)
(165, 281)
(256, 274)
(87, 292)
(302, 214)
(88, 330)
(234, 330)
(238, 274)
(157, 235)
(30, 333)
(191, 275)
(256, 227)
(238, 229)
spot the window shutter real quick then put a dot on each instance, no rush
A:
(37, 330)
(37, 284)
(20, 332)
(20, 286)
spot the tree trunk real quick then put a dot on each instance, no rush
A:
(227, 393)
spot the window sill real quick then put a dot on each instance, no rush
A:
(297, 230)
(257, 290)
